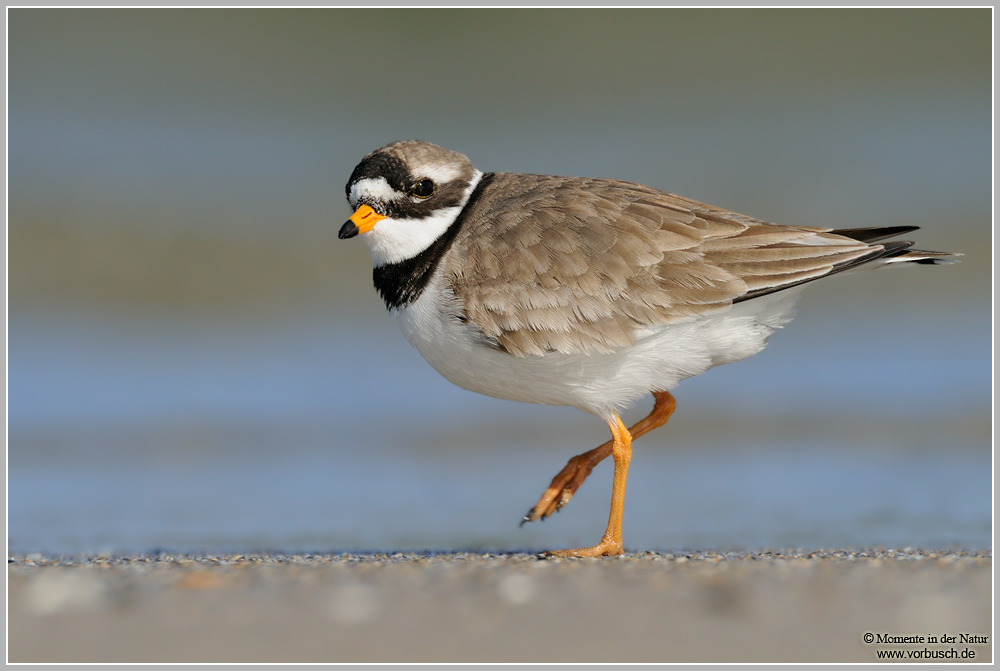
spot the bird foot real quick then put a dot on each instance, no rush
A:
(604, 548)
(566, 482)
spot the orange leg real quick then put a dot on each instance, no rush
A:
(611, 544)
(569, 479)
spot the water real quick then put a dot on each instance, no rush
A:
(379, 499)
(324, 435)
(196, 362)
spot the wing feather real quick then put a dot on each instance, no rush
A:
(555, 264)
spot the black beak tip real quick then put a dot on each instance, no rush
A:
(348, 230)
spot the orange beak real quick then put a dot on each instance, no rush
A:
(361, 221)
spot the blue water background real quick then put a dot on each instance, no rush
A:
(195, 362)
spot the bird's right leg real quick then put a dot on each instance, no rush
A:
(569, 479)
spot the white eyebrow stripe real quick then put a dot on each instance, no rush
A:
(439, 174)
(372, 189)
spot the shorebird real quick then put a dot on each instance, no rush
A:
(583, 292)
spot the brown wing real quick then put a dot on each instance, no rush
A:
(585, 265)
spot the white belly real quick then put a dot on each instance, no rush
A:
(598, 383)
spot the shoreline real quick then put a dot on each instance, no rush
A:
(759, 606)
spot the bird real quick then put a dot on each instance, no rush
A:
(583, 292)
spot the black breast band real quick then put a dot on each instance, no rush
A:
(401, 283)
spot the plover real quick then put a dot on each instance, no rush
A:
(583, 292)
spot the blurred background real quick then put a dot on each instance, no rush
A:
(196, 362)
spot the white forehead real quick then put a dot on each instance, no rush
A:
(372, 189)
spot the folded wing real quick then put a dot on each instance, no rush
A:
(555, 264)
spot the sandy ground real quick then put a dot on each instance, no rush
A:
(790, 606)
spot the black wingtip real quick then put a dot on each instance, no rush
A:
(874, 234)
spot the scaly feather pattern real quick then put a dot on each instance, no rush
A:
(553, 264)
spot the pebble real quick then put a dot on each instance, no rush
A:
(108, 558)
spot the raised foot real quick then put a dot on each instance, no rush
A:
(569, 479)
(566, 482)
(605, 548)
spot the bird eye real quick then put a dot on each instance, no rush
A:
(423, 189)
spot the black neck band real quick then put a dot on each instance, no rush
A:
(401, 283)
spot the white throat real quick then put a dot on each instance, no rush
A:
(395, 240)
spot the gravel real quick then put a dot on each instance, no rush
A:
(789, 605)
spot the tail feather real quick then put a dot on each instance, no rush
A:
(898, 251)
(922, 256)
(882, 253)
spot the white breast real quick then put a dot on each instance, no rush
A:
(600, 384)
